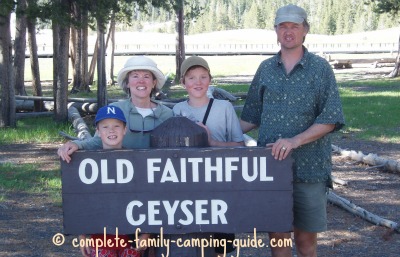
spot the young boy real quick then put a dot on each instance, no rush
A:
(110, 125)
(218, 117)
(221, 123)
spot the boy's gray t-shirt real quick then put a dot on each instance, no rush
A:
(222, 121)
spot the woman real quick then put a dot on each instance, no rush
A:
(139, 78)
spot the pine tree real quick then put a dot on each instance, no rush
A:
(391, 7)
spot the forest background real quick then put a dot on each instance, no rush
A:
(329, 17)
(70, 21)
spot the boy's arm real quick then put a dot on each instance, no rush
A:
(66, 150)
(213, 142)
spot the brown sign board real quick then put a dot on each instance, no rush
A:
(180, 190)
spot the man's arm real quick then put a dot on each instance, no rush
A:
(282, 147)
(246, 126)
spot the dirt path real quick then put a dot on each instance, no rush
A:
(28, 222)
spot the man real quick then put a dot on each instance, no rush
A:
(294, 101)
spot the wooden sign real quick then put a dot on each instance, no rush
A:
(180, 190)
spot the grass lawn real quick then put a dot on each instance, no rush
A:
(31, 179)
(372, 109)
(219, 65)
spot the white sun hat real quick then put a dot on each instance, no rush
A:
(140, 63)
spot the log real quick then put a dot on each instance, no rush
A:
(84, 107)
(50, 98)
(341, 64)
(339, 181)
(346, 204)
(249, 141)
(370, 159)
(89, 105)
(352, 208)
(33, 114)
(219, 93)
(27, 105)
(79, 124)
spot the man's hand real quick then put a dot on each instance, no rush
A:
(282, 147)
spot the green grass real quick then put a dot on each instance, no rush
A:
(372, 109)
(234, 88)
(29, 178)
(35, 130)
(219, 65)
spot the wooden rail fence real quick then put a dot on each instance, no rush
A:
(238, 49)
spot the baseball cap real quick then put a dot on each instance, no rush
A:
(193, 61)
(290, 13)
(109, 112)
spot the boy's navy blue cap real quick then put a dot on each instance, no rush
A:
(109, 112)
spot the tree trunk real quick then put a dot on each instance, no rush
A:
(93, 63)
(111, 51)
(60, 47)
(77, 42)
(180, 43)
(78, 62)
(62, 78)
(7, 103)
(395, 71)
(37, 87)
(101, 71)
(84, 65)
(72, 54)
(19, 49)
(56, 54)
